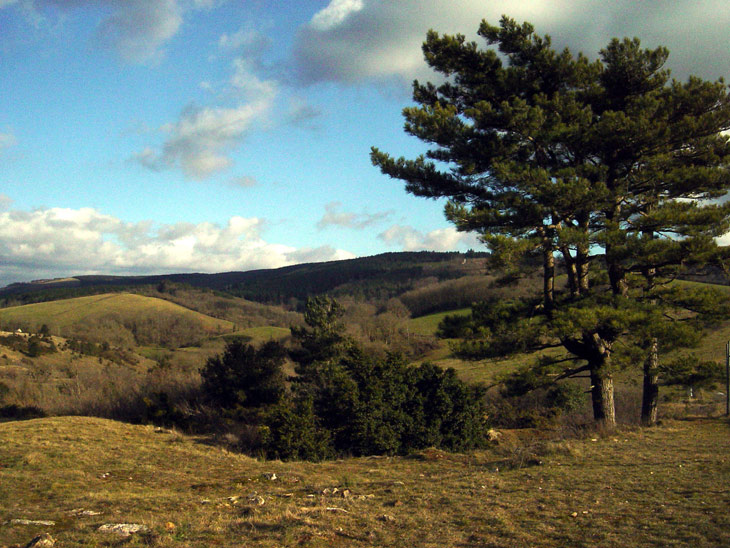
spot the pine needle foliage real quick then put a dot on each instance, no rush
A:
(608, 169)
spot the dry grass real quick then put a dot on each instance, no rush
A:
(67, 313)
(665, 486)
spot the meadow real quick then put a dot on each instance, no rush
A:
(665, 486)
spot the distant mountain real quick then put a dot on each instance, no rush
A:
(380, 276)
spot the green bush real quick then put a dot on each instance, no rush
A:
(244, 376)
(292, 431)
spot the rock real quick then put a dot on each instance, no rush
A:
(387, 518)
(47, 523)
(258, 500)
(41, 541)
(123, 529)
(80, 512)
(269, 476)
(493, 435)
(346, 493)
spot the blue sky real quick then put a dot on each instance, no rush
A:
(158, 136)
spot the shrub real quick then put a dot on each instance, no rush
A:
(245, 376)
(292, 431)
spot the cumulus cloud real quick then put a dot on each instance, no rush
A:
(201, 140)
(136, 29)
(354, 40)
(443, 239)
(247, 41)
(334, 217)
(59, 242)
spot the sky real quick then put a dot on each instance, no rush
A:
(163, 136)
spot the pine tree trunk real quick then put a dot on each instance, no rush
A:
(604, 410)
(582, 269)
(549, 278)
(571, 271)
(650, 395)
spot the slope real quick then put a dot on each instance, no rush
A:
(124, 308)
(68, 476)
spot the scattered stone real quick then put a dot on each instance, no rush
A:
(123, 529)
(205, 501)
(387, 518)
(398, 483)
(493, 435)
(80, 512)
(234, 499)
(336, 509)
(346, 494)
(258, 500)
(47, 523)
(41, 541)
(269, 476)
(574, 514)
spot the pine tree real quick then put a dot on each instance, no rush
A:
(607, 169)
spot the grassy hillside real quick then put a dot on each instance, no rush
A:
(653, 487)
(712, 346)
(126, 306)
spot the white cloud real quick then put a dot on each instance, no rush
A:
(200, 141)
(355, 40)
(136, 29)
(59, 242)
(335, 13)
(443, 239)
(246, 41)
(334, 217)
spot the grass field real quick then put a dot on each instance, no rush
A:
(666, 486)
(83, 310)
(712, 347)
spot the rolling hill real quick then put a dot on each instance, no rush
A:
(115, 317)
(380, 276)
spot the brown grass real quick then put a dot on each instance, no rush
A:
(665, 486)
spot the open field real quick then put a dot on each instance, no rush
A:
(666, 486)
(84, 310)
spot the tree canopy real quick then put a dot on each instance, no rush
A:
(609, 169)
